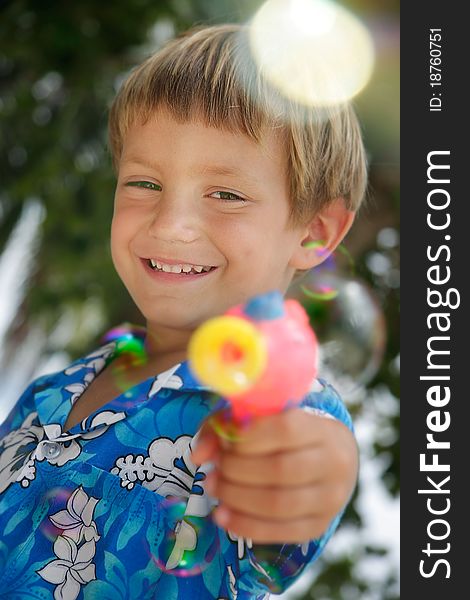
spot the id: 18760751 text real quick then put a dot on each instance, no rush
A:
(435, 70)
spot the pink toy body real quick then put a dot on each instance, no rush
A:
(292, 350)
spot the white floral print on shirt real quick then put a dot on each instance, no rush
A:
(22, 447)
(155, 470)
(19, 447)
(75, 548)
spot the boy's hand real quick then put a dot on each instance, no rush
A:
(284, 479)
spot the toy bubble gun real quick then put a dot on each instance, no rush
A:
(260, 356)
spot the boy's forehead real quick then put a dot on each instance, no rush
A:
(228, 149)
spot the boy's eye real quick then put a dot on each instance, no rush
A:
(228, 196)
(148, 185)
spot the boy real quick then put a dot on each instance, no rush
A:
(221, 189)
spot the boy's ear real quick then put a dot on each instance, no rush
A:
(322, 234)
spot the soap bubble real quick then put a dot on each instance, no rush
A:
(348, 322)
(225, 427)
(279, 568)
(130, 345)
(190, 542)
(56, 498)
(129, 353)
(319, 283)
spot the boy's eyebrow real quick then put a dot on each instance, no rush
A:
(223, 170)
(227, 171)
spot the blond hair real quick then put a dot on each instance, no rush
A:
(207, 74)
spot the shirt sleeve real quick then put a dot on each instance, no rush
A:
(273, 568)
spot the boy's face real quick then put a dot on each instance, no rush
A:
(194, 196)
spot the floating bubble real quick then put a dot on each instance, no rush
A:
(350, 327)
(129, 353)
(126, 331)
(130, 343)
(190, 542)
(221, 419)
(319, 284)
(278, 568)
(57, 499)
(313, 51)
(225, 427)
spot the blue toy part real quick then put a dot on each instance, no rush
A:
(265, 307)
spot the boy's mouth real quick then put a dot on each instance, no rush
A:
(179, 268)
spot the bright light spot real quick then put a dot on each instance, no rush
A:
(314, 51)
(312, 18)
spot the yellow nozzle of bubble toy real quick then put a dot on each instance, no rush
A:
(228, 353)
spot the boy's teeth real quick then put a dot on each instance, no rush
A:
(185, 268)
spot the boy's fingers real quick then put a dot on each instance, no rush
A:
(275, 469)
(281, 504)
(288, 430)
(265, 531)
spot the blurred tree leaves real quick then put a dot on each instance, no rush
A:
(60, 66)
(59, 62)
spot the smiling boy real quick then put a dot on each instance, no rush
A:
(220, 193)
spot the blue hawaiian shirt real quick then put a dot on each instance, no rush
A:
(114, 508)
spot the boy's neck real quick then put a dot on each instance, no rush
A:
(166, 345)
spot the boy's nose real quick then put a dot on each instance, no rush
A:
(174, 220)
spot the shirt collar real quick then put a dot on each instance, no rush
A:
(76, 377)
(129, 336)
(190, 381)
